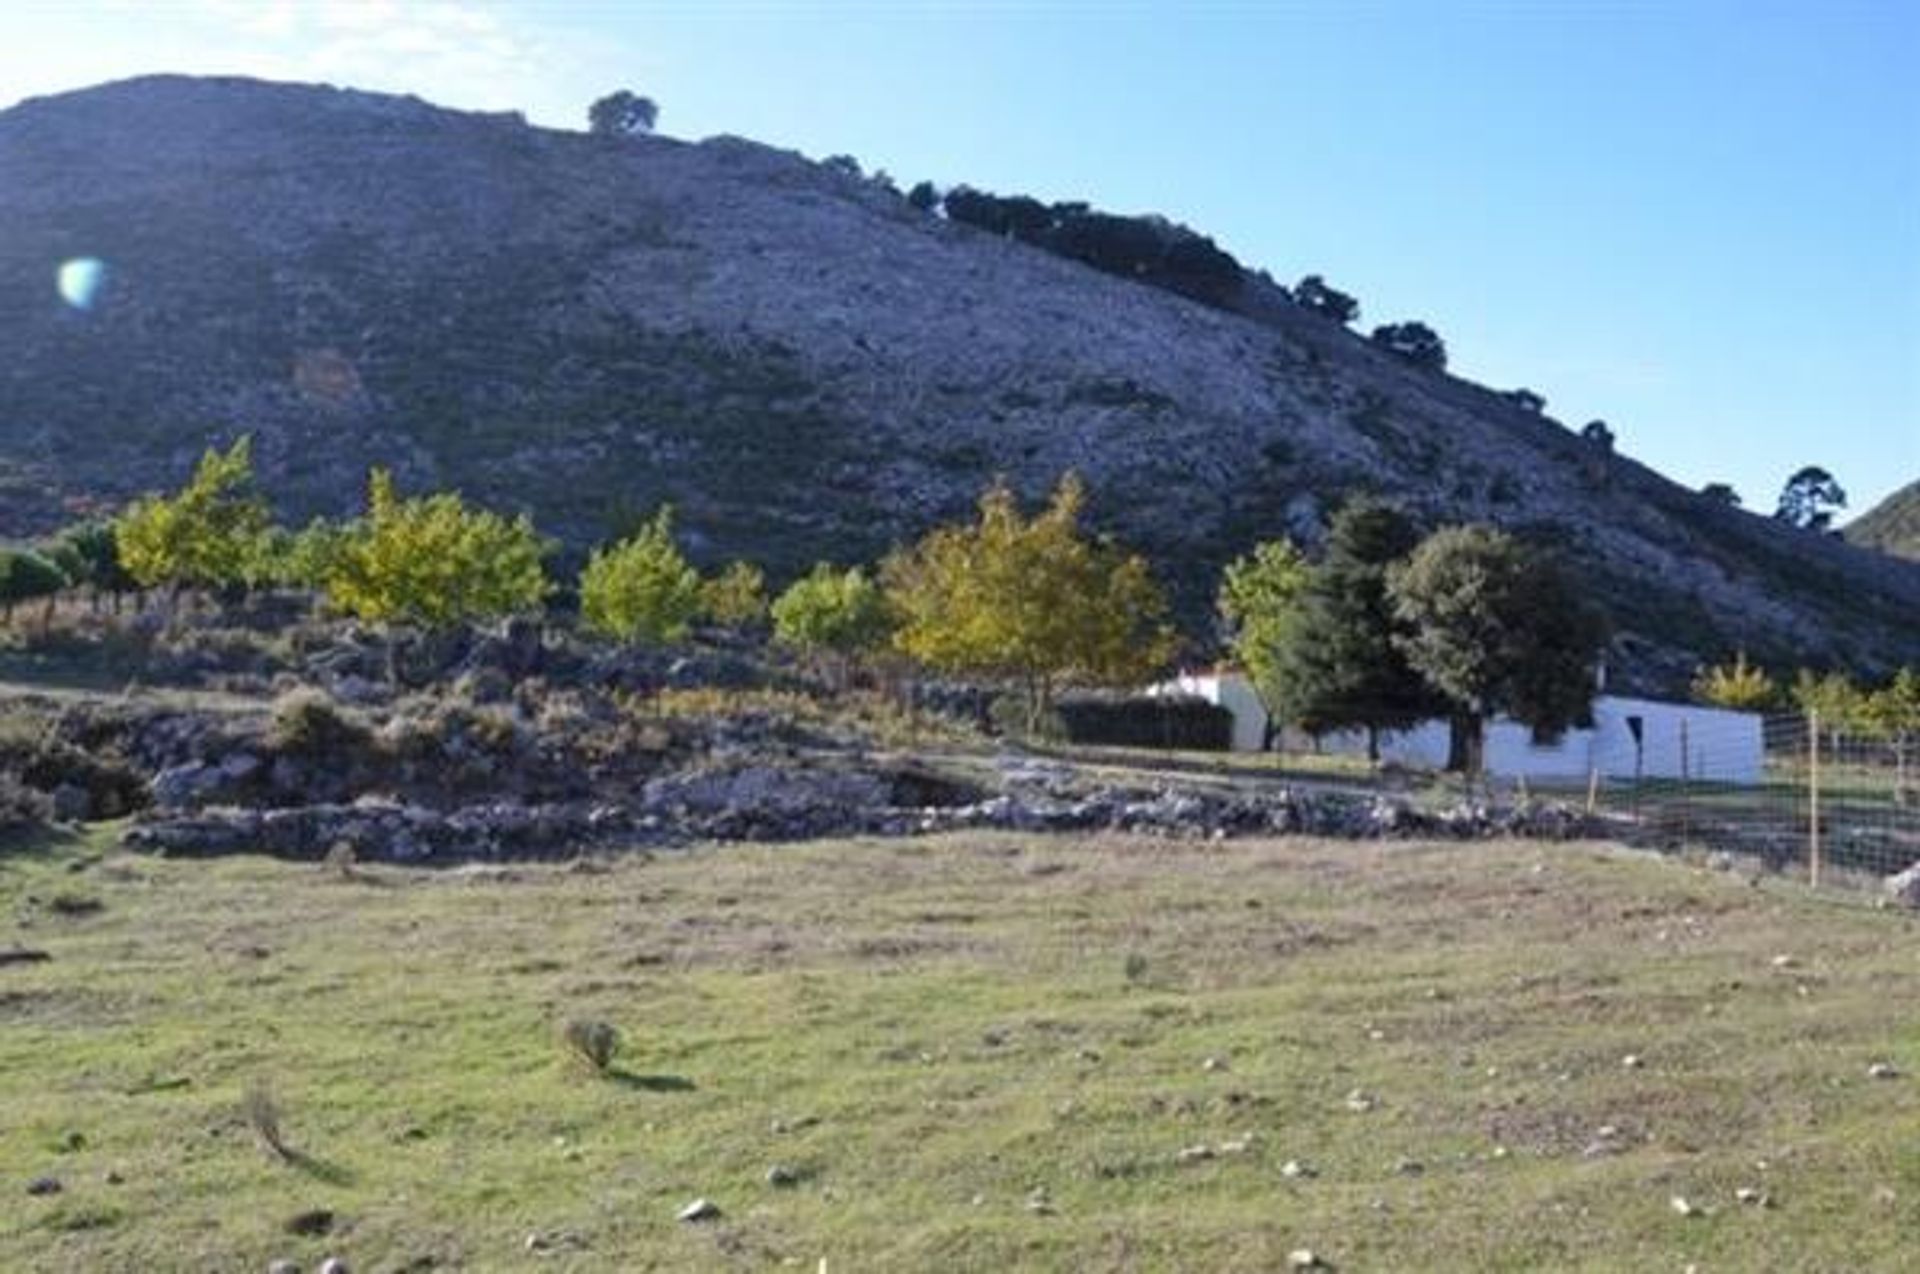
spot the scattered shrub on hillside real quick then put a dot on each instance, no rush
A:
(1415, 342)
(1526, 400)
(1722, 494)
(736, 597)
(307, 722)
(592, 1042)
(1313, 293)
(1149, 249)
(924, 196)
(22, 808)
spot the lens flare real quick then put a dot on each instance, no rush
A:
(80, 281)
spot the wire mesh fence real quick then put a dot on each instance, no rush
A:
(1826, 800)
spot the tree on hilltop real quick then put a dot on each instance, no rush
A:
(622, 114)
(1810, 499)
(1313, 293)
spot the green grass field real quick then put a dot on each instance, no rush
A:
(978, 1052)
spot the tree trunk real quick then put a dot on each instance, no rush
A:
(1373, 744)
(1466, 740)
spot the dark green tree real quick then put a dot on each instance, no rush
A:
(1495, 626)
(1415, 342)
(622, 114)
(1722, 494)
(924, 196)
(27, 576)
(1346, 665)
(1809, 499)
(89, 556)
(1312, 293)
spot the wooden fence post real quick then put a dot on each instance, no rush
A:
(1686, 794)
(1813, 798)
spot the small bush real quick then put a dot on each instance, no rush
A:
(75, 904)
(308, 722)
(593, 1042)
(1147, 721)
(22, 808)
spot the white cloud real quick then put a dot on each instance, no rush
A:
(462, 53)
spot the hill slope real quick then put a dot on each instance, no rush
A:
(1892, 526)
(800, 360)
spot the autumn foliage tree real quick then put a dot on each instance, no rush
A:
(1738, 685)
(736, 597)
(643, 588)
(431, 561)
(1031, 601)
(202, 536)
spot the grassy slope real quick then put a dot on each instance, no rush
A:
(957, 1018)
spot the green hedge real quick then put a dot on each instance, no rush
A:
(1143, 721)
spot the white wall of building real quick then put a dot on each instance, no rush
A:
(1721, 746)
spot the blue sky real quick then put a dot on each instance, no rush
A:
(1698, 221)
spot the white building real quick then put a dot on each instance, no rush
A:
(1628, 737)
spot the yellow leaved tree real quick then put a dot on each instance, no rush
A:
(203, 536)
(1739, 684)
(1031, 601)
(433, 562)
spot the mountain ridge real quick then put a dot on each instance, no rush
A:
(1891, 526)
(800, 360)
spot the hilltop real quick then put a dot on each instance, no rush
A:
(800, 359)
(1892, 526)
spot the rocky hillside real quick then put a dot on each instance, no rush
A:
(1892, 526)
(802, 361)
